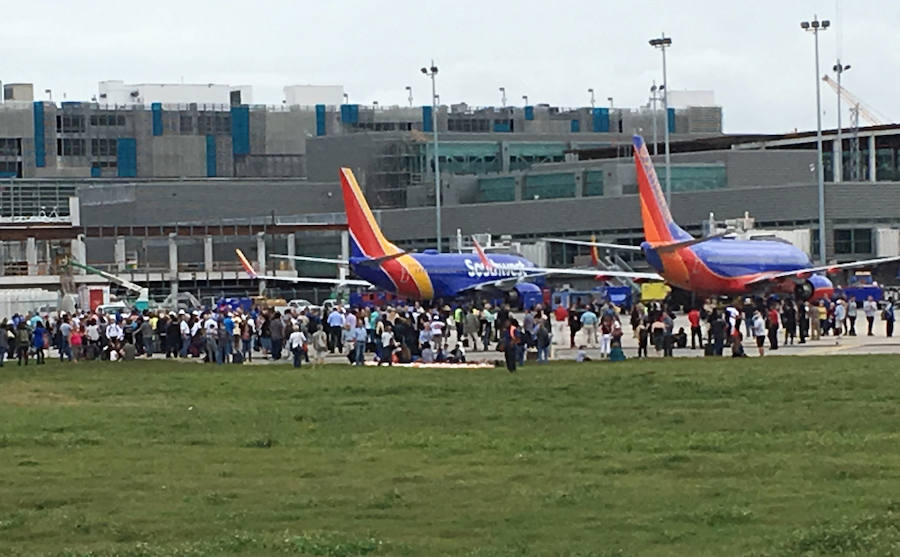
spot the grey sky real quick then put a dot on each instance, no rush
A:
(753, 54)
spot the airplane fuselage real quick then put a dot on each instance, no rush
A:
(725, 266)
(429, 275)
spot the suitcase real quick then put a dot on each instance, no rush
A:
(237, 358)
(709, 350)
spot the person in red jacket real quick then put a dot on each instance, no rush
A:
(773, 327)
(560, 322)
(696, 332)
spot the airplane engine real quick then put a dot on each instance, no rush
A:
(814, 288)
(523, 295)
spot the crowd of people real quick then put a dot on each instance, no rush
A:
(410, 333)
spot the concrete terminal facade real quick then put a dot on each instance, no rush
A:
(526, 172)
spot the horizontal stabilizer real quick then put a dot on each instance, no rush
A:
(312, 259)
(687, 243)
(377, 261)
(622, 247)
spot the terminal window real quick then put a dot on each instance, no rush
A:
(853, 240)
(104, 147)
(70, 124)
(11, 147)
(70, 147)
(107, 119)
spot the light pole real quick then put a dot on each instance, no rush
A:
(346, 98)
(814, 26)
(653, 98)
(591, 91)
(839, 159)
(431, 72)
(662, 43)
(610, 99)
(503, 96)
(409, 95)
(525, 98)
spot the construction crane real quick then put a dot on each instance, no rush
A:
(857, 109)
(871, 115)
(143, 294)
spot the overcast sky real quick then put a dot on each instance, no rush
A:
(753, 54)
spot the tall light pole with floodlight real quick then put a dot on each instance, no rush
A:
(814, 27)
(431, 72)
(839, 159)
(662, 43)
(503, 96)
(409, 96)
(525, 99)
(591, 91)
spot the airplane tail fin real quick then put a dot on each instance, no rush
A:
(658, 223)
(366, 238)
(481, 255)
(245, 263)
(595, 255)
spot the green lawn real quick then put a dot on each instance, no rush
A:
(781, 456)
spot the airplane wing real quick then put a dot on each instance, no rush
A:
(593, 244)
(370, 262)
(311, 280)
(803, 273)
(596, 273)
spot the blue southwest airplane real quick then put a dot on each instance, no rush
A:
(713, 265)
(719, 265)
(428, 275)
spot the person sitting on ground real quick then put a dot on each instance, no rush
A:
(457, 355)
(681, 338)
(129, 351)
(427, 354)
(581, 355)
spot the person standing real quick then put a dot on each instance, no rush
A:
(560, 319)
(574, 325)
(65, 339)
(850, 322)
(840, 314)
(297, 345)
(276, 333)
(803, 321)
(696, 331)
(360, 336)
(387, 346)
(510, 340)
(471, 322)
(773, 327)
(789, 321)
(759, 331)
(717, 331)
(146, 331)
(589, 324)
(38, 339)
(870, 308)
(335, 330)
(888, 316)
(815, 320)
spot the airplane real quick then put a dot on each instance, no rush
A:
(719, 265)
(248, 268)
(430, 275)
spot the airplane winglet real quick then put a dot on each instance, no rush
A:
(245, 263)
(481, 255)
(595, 256)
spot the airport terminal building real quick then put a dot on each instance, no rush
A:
(206, 177)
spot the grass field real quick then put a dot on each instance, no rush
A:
(781, 456)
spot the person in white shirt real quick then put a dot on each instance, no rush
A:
(114, 331)
(297, 345)
(387, 346)
(870, 308)
(759, 331)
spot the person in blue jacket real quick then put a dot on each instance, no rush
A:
(37, 341)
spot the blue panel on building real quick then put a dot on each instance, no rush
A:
(95, 171)
(600, 120)
(156, 110)
(671, 119)
(320, 119)
(350, 113)
(426, 119)
(502, 126)
(240, 130)
(211, 156)
(529, 113)
(575, 126)
(126, 159)
(40, 150)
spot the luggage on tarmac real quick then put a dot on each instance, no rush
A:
(237, 358)
(709, 350)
